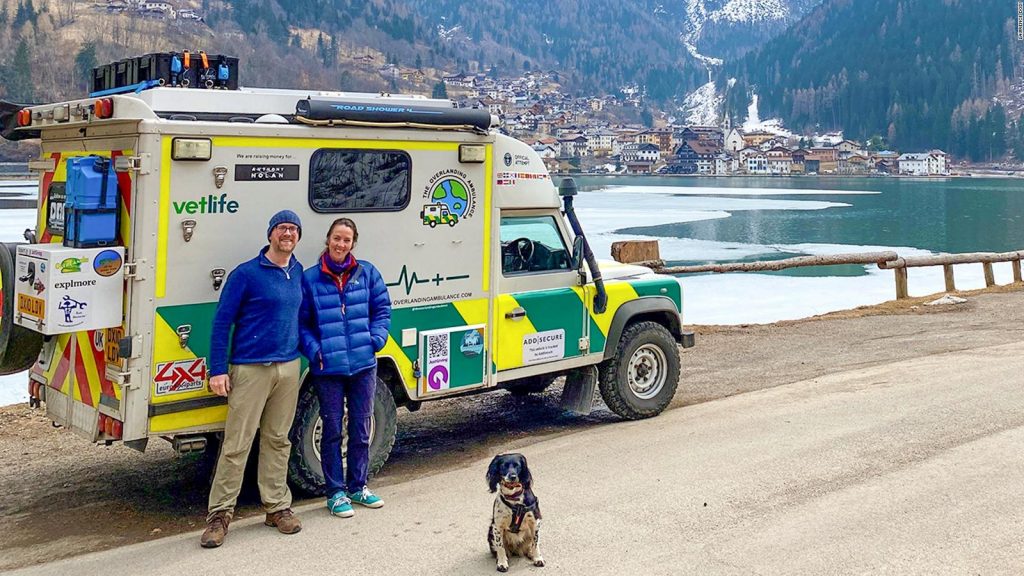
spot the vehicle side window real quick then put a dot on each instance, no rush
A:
(531, 244)
(347, 180)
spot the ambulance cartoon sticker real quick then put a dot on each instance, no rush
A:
(450, 198)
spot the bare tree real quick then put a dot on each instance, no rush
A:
(66, 10)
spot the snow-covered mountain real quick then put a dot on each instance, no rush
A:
(725, 29)
(719, 30)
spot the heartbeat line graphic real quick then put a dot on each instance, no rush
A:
(408, 282)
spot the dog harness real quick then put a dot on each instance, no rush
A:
(519, 513)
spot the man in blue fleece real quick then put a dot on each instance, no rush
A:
(260, 302)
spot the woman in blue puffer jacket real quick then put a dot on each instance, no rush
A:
(343, 323)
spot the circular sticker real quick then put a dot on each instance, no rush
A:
(107, 263)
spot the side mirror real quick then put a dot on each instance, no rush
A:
(577, 253)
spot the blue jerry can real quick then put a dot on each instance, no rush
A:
(91, 204)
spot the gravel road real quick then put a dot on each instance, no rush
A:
(65, 497)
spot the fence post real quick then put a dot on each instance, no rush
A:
(1015, 264)
(947, 271)
(901, 282)
(990, 277)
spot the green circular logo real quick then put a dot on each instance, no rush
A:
(454, 194)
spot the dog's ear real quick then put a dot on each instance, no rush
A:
(492, 474)
(524, 473)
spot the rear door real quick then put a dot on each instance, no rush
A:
(83, 370)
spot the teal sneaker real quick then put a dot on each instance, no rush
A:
(366, 498)
(340, 505)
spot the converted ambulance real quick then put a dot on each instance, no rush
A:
(150, 196)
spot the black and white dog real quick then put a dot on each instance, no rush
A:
(515, 520)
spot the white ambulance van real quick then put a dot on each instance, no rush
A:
(148, 199)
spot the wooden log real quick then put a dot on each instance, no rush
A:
(942, 259)
(990, 277)
(800, 261)
(632, 251)
(947, 271)
(658, 265)
(1015, 264)
(901, 283)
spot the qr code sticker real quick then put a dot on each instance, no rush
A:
(437, 346)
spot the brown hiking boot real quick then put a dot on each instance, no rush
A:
(285, 520)
(216, 529)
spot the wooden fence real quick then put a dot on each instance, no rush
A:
(646, 253)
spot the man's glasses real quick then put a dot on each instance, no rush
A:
(289, 229)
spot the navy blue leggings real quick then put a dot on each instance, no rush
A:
(333, 391)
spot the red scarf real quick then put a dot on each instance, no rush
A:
(338, 272)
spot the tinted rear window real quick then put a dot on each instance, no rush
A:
(346, 180)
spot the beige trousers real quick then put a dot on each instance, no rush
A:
(262, 397)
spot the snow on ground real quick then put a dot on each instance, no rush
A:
(701, 107)
(754, 122)
(751, 11)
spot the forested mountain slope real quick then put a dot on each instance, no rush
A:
(919, 73)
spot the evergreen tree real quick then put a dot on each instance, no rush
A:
(439, 91)
(1018, 143)
(321, 48)
(19, 81)
(647, 118)
(20, 15)
(85, 61)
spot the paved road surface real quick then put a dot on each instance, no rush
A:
(913, 466)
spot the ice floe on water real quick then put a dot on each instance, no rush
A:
(715, 192)
(755, 297)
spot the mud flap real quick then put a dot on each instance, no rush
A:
(578, 392)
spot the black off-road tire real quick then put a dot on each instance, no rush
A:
(522, 387)
(6, 297)
(19, 347)
(304, 468)
(640, 344)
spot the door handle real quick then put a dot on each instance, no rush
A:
(517, 313)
